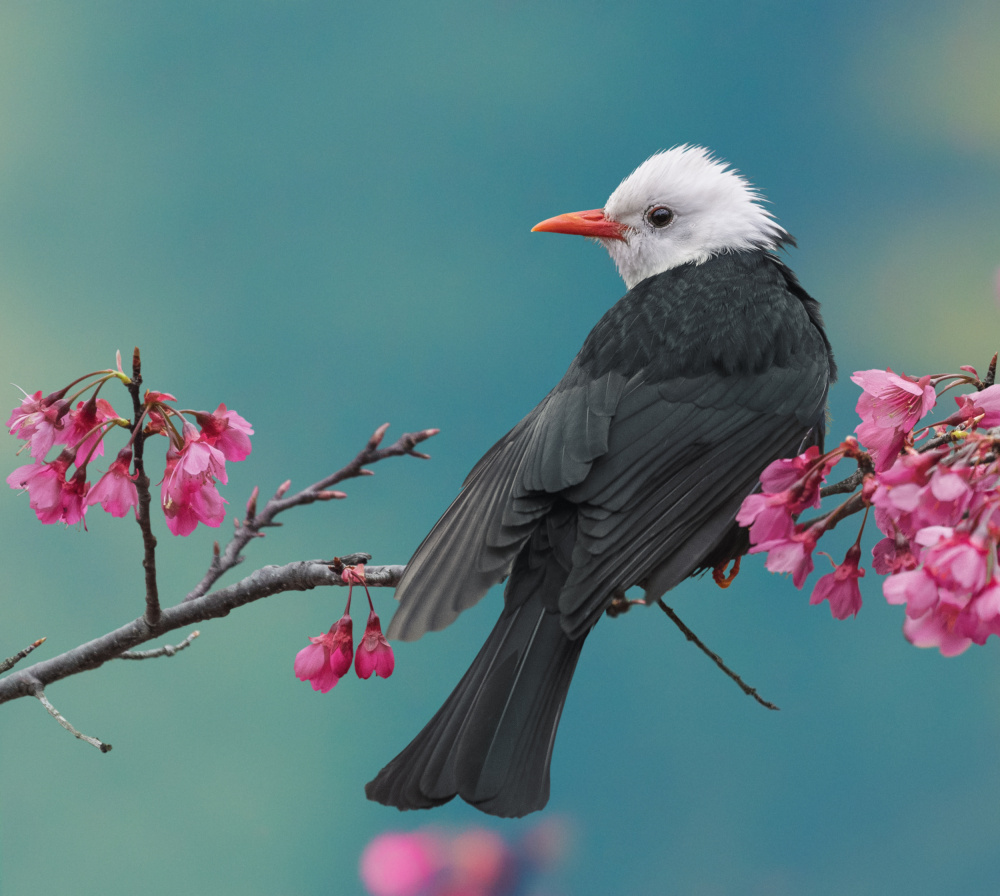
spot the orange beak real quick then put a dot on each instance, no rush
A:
(591, 223)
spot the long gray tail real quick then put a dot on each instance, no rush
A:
(491, 742)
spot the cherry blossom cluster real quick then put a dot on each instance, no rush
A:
(328, 657)
(473, 862)
(195, 463)
(935, 491)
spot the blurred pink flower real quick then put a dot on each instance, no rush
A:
(397, 864)
(482, 862)
(472, 862)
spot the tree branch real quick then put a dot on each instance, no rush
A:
(250, 528)
(303, 575)
(199, 605)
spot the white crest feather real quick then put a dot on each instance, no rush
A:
(715, 210)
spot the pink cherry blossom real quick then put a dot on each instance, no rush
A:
(74, 498)
(957, 562)
(915, 588)
(80, 422)
(326, 660)
(840, 587)
(188, 496)
(956, 620)
(932, 629)
(374, 653)
(985, 403)
(115, 491)
(199, 458)
(892, 555)
(899, 491)
(227, 431)
(980, 616)
(889, 407)
(894, 400)
(152, 397)
(39, 421)
(768, 518)
(51, 496)
(799, 477)
(790, 552)
(946, 497)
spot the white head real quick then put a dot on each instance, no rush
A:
(678, 207)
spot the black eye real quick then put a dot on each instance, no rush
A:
(660, 216)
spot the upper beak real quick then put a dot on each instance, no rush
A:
(592, 223)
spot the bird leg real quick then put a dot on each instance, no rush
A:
(621, 604)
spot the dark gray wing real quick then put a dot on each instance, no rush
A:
(473, 546)
(680, 396)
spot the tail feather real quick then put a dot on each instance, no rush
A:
(491, 743)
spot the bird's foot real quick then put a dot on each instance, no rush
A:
(621, 604)
(719, 573)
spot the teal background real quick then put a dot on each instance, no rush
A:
(319, 213)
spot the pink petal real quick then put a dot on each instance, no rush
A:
(308, 661)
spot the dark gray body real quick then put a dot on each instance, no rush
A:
(629, 472)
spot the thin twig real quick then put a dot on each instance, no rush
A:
(39, 692)
(714, 657)
(845, 486)
(250, 528)
(854, 504)
(165, 650)
(12, 661)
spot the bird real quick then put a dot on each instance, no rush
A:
(629, 472)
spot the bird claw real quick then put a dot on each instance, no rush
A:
(621, 604)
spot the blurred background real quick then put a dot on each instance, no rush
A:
(319, 213)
